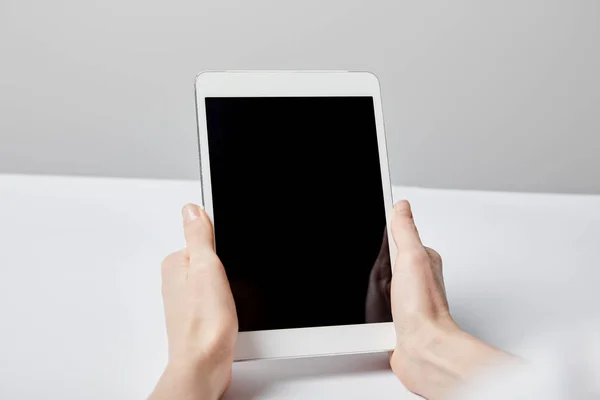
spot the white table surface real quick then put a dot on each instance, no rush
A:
(80, 306)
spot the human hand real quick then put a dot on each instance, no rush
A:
(200, 315)
(432, 353)
(418, 294)
(378, 302)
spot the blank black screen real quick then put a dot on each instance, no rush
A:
(298, 206)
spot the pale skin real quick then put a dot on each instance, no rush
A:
(432, 355)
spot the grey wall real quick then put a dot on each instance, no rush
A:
(478, 94)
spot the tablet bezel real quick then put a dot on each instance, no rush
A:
(299, 342)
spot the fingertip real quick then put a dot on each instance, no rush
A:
(403, 208)
(197, 229)
(191, 212)
(404, 230)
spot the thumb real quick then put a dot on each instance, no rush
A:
(198, 231)
(404, 230)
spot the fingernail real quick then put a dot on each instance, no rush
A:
(403, 207)
(191, 212)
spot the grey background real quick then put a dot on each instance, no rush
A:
(500, 95)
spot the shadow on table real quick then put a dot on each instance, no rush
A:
(252, 378)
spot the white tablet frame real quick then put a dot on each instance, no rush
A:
(301, 342)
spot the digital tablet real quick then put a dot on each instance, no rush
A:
(295, 178)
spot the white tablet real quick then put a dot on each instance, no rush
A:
(295, 178)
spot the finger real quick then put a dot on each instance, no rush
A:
(435, 257)
(206, 274)
(174, 260)
(436, 263)
(198, 231)
(382, 267)
(404, 230)
(172, 266)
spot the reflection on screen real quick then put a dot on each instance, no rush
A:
(298, 210)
